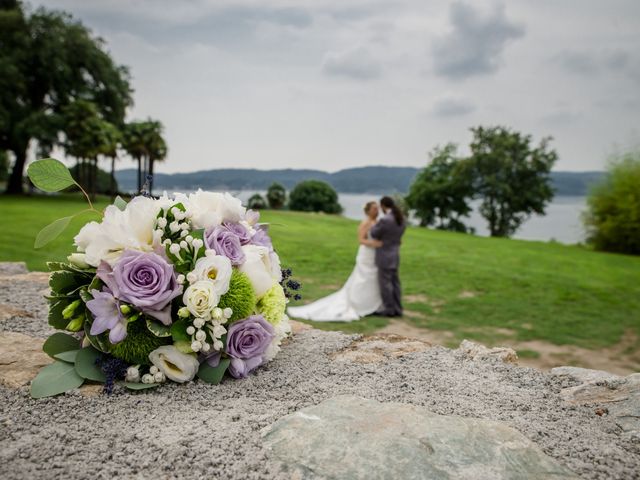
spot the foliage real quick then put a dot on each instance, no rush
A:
(104, 182)
(276, 195)
(510, 176)
(314, 196)
(143, 140)
(613, 218)
(50, 60)
(240, 298)
(535, 290)
(440, 193)
(138, 344)
(256, 202)
(4, 166)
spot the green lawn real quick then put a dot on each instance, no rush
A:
(466, 285)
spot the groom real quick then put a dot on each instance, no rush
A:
(389, 231)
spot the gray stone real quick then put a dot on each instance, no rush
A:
(352, 437)
(21, 358)
(583, 374)
(13, 268)
(380, 347)
(479, 352)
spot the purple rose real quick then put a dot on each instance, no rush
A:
(145, 280)
(239, 231)
(247, 341)
(107, 316)
(225, 242)
(262, 239)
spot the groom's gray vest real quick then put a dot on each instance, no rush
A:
(389, 232)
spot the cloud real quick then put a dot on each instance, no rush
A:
(475, 43)
(355, 63)
(452, 106)
(597, 62)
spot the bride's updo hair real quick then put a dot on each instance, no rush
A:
(368, 206)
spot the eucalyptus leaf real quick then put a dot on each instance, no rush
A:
(60, 342)
(211, 374)
(59, 377)
(120, 203)
(86, 365)
(157, 328)
(50, 175)
(51, 232)
(139, 386)
(68, 356)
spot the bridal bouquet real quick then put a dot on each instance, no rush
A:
(161, 289)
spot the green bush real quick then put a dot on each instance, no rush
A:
(256, 202)
(276, 196)
(314, 196)
(613, 217)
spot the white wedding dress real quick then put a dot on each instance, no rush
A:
(359, 297)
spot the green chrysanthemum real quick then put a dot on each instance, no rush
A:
(138, 343)
(273, 304)
(240, 298)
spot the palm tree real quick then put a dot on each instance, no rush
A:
(144, 142)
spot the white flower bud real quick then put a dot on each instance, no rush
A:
(147, 378)
(180, 279)
(200, 335)
(184, 233)
(196, 346)
(192, 277)
(158, 377)
(184, 245)
(184, 226)
(227, 312)
(162, 222)
(174, 248)
(167, 241)
(183, 312)
(153, 370)
(190, 330)
(174, 227)
(217, 345)
(198, 323)
(133, 375)
(159, 233)
(175, 211)
(189, 239)
(205, 347)
(197, 243)
(217, 313)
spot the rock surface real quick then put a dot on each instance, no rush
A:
(21, 358)
(380, 348)
(213, 431)
(480, 352)
(351, 437)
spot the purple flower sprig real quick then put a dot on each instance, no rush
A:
(289, 285)
(113, 369)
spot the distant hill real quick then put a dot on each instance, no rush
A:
(351, 180)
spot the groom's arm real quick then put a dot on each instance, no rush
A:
(378, 229)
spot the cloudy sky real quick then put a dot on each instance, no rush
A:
(330, 84)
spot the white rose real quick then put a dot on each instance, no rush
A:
(131, 228)
(179, 367)
(208, 209)
(214, 268)
(259, 267)
(283, 330)
(78, 259)
(201, 298)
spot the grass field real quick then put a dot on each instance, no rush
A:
(486, 289)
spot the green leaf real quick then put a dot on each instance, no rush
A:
(50, 175)
(60, 342)
(211, 374)
(86, 365)
(59, 377)
(138, 386)
(51, 232)
(56, 320)
(157, 328)
(179, 331)
(64, 282)
(68, 356)
(99, 342)
(184, 347)
(120, 203)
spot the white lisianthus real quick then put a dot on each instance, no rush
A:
(179, 367)
(131, 228)
(208, 209)
(283, 330)
(260, 267)
(215, 268)
(201, 298)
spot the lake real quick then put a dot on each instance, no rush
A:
(561, 222)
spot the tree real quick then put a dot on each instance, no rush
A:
(613, 217)
(441, 191)
(144, 142)
(511, 177)
(314, 196)
(256, 202)
(276, 195)
(48, 60)
(4, 166)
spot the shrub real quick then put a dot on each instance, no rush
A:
(256, 202)
(613, 216)
(276, 196)
(314, 196)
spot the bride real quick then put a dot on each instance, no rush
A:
(360, 296)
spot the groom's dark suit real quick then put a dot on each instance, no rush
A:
(389, 233)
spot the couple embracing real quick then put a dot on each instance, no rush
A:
(373, 288)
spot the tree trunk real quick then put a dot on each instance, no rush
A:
(112, 187)
(94, 177)
(151, 175)
(14, 186)
(139, 159)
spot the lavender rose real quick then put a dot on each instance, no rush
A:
(247, 342)
(145, 280)
(239, 231)
(261, 238)
(224, 242)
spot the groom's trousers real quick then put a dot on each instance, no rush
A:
(390, 291)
